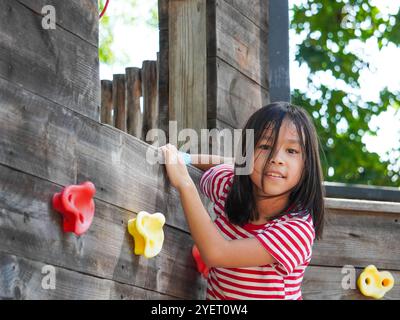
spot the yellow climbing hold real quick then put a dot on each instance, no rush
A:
(147, 230)
(373, 283)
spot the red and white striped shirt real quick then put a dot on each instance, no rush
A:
(288, 239)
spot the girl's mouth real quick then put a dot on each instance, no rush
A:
(274, 177)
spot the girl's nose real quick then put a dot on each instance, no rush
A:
(276, 158)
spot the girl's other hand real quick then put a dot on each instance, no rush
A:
(175, 166)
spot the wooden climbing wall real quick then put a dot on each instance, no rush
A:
(50, 137)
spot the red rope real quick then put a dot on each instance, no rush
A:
(104, 9)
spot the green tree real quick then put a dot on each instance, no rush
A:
(327, 28)
(124, 12)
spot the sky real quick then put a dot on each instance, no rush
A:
(141, 43)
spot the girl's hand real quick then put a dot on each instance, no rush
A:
(176, 168)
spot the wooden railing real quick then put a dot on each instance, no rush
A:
(121, 105)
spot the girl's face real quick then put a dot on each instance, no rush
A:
(283, 172)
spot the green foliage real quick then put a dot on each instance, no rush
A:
(328, 27)
(124, 12)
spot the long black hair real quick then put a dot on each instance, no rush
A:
(308, 195)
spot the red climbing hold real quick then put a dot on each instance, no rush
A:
(201, 266)
(76, 205)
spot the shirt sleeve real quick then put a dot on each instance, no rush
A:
(289, 242)
(216, 181)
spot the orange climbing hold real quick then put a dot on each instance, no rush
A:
(76, 204)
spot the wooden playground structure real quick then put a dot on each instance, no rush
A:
(59, 125)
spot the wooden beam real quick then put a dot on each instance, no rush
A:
(187, 64)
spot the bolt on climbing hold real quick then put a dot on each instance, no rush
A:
(147, 231)
(373, 283)
(76, 205)
(201, 266)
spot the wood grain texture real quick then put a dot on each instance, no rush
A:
(359, 238)
(30, 228)
(21, 278)
(238, 41)
(106, 102)
(232, 97)
(322, 283)
(79, 17)
(254, 10)
(49, 141)
(150, 97)
(187, 64)
(54, 64)
(133, 94)
(363, 206)
(163, 15)
(119, 103)
(163, 82)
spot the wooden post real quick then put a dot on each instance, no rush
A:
(149, 91)
(187, 64)
(120, 113)
(133, 94)
(163, 67)
(106, 102)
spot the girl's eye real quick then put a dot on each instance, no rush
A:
(264, 147)
(292, 151)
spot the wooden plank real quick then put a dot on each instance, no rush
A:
(359, 238)
(150, 97)
(363, 206)
(22, 278)
(133, 94)
(324, 283)
(51, 142)
(254, 10)
(163, 15)
(239, 42)
(54, 64)
(232, 97)
(188, 64)
(163, 82)
(107, 102)
(80, 17)
(29, 227)
(119, 104)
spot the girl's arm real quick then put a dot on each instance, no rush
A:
(206, 161)
(215, 250)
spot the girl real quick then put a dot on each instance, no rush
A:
(261, 241)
